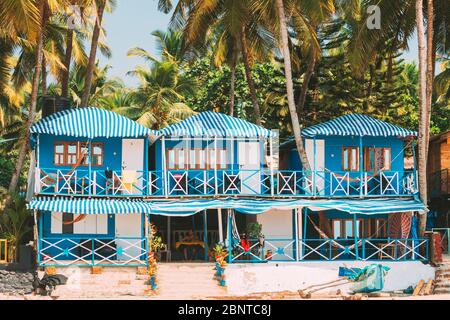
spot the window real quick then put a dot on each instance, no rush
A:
(379, 228)
(343, 228)
(59, 154)
(376, 159)
(69, 153)
(350, 159)
(196, 159)
(97, 154)
(68, 223)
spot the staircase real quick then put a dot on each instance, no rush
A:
(112, 282)
(442, 283)
(180, 281)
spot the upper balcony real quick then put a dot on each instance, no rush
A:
(234, 183)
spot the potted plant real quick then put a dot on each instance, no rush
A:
(155, 244)
(220, 254)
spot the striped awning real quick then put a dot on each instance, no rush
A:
(91, 123)
(212, 124)
(242, 205)
(357, 125)
(90, 206)
(257, 206)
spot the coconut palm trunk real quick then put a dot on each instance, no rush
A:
(430, 68)
(67, 59)
(306, 78)
(248, 76)
(93, 53)
(32, 108)
(290, 86)
(233, 81)
(422, 161)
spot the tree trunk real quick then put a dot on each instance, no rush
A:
(67, 59)
(248, 76)
(290, 86)
(422, 163)
(32, 108)
(307, 77)
(430, 68)
(92, 54)
(233, 80)
(44, 76)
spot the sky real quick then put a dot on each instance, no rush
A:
(130, 26)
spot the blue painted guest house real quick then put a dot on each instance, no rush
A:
(100, 178)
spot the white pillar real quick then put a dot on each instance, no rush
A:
(219, 219)
(215, 164)
(164, 167)
(299, 229)
(271, 167)
(169, 238)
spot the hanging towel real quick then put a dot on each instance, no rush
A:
(128, 179)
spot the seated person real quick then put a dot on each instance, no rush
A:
(189, 251)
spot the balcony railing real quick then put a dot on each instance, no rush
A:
(93, 252)
(191, 183)
(330, 250)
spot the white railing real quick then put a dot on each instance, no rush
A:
(176, 183)
(93, 252)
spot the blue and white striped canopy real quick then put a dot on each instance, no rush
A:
(89, 206)
(242, 205)
(212, 124)
(258, 206)
(91, 123)
(357, 125)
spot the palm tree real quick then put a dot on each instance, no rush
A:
(236, 29)
(99, 8)
(15, 224)
(33, 101)
(161, 93)
(289, 84)
(422, 161)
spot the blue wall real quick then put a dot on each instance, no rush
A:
(112, 152)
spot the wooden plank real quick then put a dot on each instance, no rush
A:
(419, 287)
(427, 290)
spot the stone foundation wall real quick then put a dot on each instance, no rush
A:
(15, 282)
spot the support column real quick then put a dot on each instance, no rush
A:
(147, 235)
(169, 237)
(229, 236)
(205, 235)
(355, 233)
(164, 167)
(271, 166)
(89, 158)
(361, 160)
(215, 165)
(40, 234)
(314, 166)
(219, 221)
(36, 236)
(145, 174)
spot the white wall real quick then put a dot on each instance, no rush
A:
(276, 223)
(244, 279)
